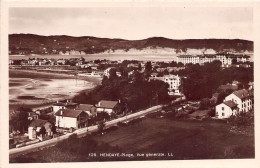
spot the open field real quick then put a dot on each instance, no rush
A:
(182, 139)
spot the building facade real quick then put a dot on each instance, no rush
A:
(226, 109)
(174, 82)
(35, 127)
(225, 59)
(107, 72)
(235, 103)
(91, 110)
(106, 106)
(69, 118)
(243, 98)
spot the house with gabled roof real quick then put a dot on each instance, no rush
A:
(90, 109)
(106, 106)
(226, 109)
(63, 105)
(237, 102)
(70, 118)
(243, 98)
(35, 127)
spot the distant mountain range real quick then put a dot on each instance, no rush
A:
(37, 44)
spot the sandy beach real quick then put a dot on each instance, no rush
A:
(28, 88)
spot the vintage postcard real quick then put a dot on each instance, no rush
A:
(154, 83)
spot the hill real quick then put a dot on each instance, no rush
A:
(37, 44)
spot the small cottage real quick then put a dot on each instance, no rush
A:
(35, 127)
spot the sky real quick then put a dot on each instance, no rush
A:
(135, 23)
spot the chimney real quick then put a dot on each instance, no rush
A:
(61, 112)
(57, 101)
(119, 101)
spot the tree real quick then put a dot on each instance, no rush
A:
(137, 76)
(101, 126)
(20, 120)
(205, 104)
(234, 61)
(139, 67)
(148, 66)
(112, 73)
(211, 112)
(53, 129)
(223, 95)
(165, 72)
(102, 116)
(42, 131)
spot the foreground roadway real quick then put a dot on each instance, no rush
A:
(80, 132)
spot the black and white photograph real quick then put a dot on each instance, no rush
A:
(130, 83)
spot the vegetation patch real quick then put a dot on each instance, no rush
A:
(30, 98)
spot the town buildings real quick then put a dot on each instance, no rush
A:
(225, 59)
(237, 102)
(243, 98)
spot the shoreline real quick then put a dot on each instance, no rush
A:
(48, 75)
(13, 73)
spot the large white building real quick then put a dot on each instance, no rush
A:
(226, 59)
(238, 101)
(174, 82)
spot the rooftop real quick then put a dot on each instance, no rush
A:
(214, 55)
(85, 107)
(107, 104)
(243, 93)
(230, 103)
(228, 86)
(38, 123)
(68, 113)
(65, 104)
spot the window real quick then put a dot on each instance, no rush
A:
(223, 114)
(223, 108)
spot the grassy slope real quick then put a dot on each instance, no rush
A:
(185, 139)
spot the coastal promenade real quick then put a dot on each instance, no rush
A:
(80, 132)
